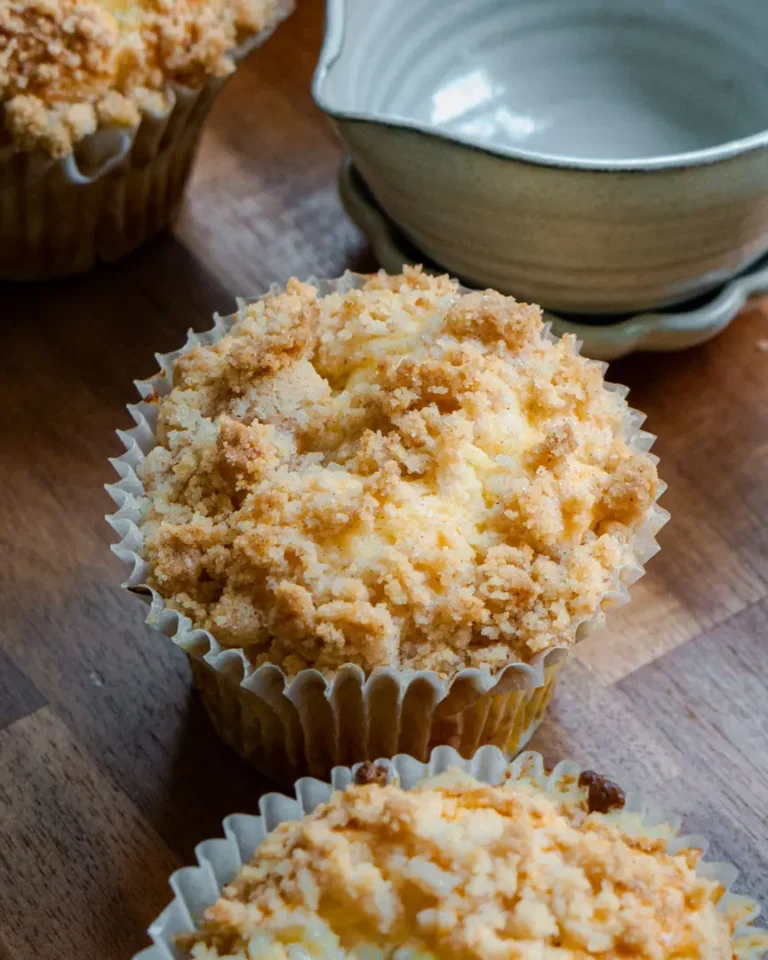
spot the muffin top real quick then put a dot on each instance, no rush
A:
(402, 475)
(67, 66)
(457, 869)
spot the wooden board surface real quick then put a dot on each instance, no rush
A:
(109, 771)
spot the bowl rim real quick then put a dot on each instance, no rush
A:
(330, 52)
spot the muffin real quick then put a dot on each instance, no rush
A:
(102, 105)
(509, 862)
(395, 480)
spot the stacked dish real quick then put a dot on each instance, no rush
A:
(598, 159)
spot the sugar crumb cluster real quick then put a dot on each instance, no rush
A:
(457, 869)
(400, 475)
(70, 66)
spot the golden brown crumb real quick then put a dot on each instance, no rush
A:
(460, 870)
(60, 58)
(397, 476)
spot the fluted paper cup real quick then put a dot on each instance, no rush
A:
(308, 725)
(118, 187)
(197, 888)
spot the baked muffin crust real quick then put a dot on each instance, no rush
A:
(458, 869)
(67, 66)
(398, 476)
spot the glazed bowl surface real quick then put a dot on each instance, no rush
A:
(595, 156)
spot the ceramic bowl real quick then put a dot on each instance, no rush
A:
(607, 337)
(592, 156)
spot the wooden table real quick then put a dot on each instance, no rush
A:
(109, 771)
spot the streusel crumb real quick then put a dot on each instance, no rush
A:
(459, 870)
(400, 475)
(64, 63)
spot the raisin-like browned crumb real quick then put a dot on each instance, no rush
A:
(368, 773)
(603, 794)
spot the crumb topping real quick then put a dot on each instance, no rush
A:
(401, 475)
(67, 65)
(457, 870)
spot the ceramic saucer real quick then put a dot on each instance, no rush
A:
(604, 338)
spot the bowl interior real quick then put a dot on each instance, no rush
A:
(590, 80)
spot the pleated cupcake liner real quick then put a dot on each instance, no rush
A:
(309, 724)
(219, 860)
(117, 188)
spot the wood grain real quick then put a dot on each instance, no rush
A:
(71, 839)
(109, 771)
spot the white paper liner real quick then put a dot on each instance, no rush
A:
(118, 186)
(308, 724)
(197, 888)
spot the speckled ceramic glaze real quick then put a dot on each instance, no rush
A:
(595, 156)
(606, 337)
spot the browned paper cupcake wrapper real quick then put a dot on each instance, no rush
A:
(117, 188)
(219, 860)
(309, 724)
(358, 720)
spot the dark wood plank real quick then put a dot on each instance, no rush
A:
(18, 695)
(262, 204)
(83, 874)
(72, 631)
